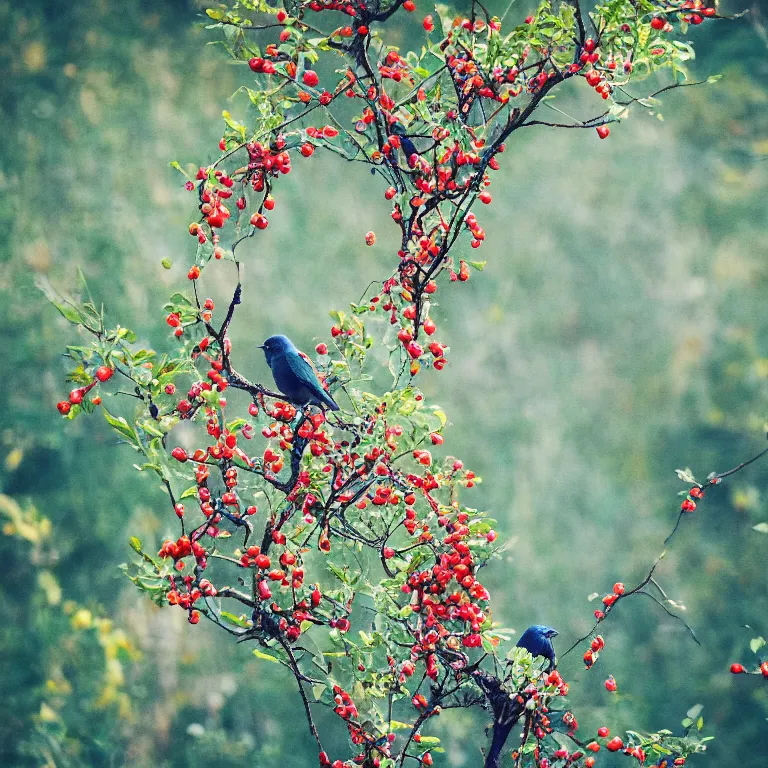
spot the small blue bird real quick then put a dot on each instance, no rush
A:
(294, 375)
(538, 641)
(406, 145)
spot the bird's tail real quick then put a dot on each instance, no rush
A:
(501, 733)
(328, 400)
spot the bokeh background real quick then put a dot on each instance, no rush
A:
(618, 332)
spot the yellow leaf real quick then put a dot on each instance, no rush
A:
(13, 459)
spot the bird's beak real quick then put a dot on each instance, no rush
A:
(260, 346)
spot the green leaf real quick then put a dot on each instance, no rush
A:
(756, 643)
(396, 725)
(135, 544)
(261, 655)
(189, 493)
(761, 527)
(166, 263)
(694, 711)
(318, 689)
(67, 309)
(122, 426)
(478, 265)
(238, 621)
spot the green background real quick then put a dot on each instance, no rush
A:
(618, 332)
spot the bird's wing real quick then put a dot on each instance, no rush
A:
(305, 373)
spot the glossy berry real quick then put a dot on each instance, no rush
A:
(737, 669)
(64, 407)
(104, 373)
(603, 131)
(310, 78)
(179, 454)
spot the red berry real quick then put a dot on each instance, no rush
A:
(104, 373)
(603, 131)
(737, 669)
(615, 744)
(321, 349)
(179, 454)
(764, 669)
(76, 396)
(688, 505)
(307, 149)
(310, 78)
(657, 22)
(429, 23)
(194, 272)
(603, 732)
(409, 6)
(64, 407)
(618, 588)
(610, 684)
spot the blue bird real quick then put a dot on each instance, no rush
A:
(407, 146)
(294, 375)
(538, 641)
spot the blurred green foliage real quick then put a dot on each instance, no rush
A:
(617, 333)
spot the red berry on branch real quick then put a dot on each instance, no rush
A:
(370, 238)
(618, 588)
(76, 396)
(603, 732)
(409, 6)
(307, 149)
(259, 221)
(179, 454)
(104, 373)
(428, 23)
(764, 669)
(603, 131)
(737, 669)
(688, 505)
(64, 407)
(615, 744)
(321, 349)
(310, 78)
(610, 684)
